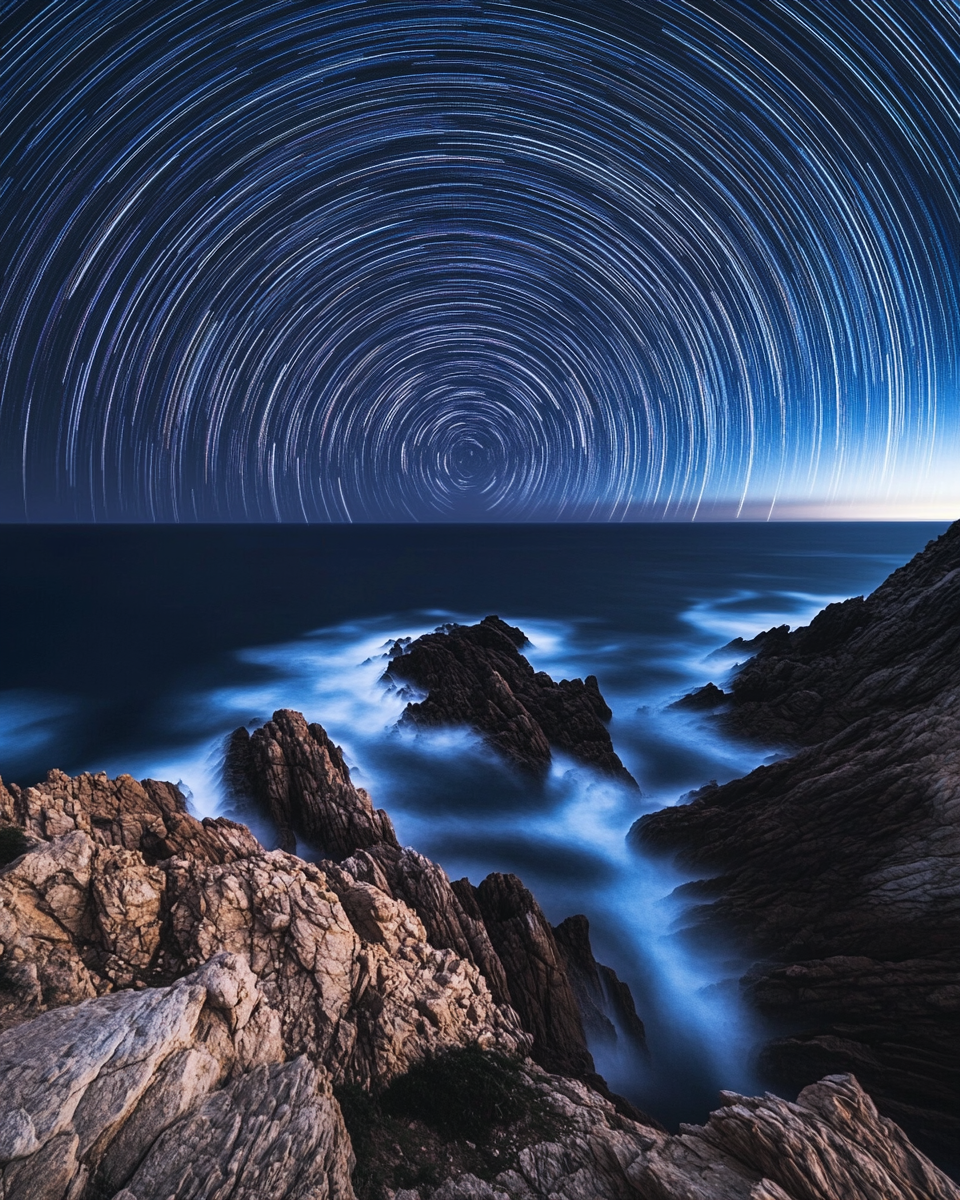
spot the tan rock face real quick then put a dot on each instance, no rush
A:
(87, 1090)
(355, 985)
(149, 816)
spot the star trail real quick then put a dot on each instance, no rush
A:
(493, 261)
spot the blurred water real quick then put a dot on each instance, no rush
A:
(646, 618)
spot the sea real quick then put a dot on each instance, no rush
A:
(138, 649)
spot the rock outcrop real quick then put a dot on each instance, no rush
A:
(149, 816)
(170, 1091)
(540, 989)
(840, 866)
(829, 1145)
(353, 984)
(606, 1003)
(290, 769)
(475, 675)
(175, 1026)
(299, 778)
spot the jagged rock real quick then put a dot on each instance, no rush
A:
(149, 816)
(829, 1145)
(848, 852)
(356, 986)
(605, 1001)
(343, 821)
(475, 675)
(895, 651)
(298, 776)
(451, 919)
(535, 970)
(703, 699)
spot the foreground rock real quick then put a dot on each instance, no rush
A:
(841, 866)
(167, 1092)
(346, 969)
(830, 1145)
(175, 1026)
(475, 675)
(298, 777)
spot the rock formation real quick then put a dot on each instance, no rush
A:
(475, 675)
(840, 866)
(830, 1145)
(298, 776)
(292, 769)
(605, 1002)
(176, 1026)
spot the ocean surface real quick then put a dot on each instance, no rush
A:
(137, 649)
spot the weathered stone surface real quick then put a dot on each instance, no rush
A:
(475, 675)
(149, 816)
(352, 975)
(86, 1089)
(356, 985)
(841, 865)
(539, 986)
(274, 1132)
(451, 918)
(298, 776)
(829, 1145)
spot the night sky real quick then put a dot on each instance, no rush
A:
(493, 261)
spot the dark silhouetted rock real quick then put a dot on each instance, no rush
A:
(605, 1001)
(702, 699)
(298, 776)
(540, 990)
(475, 675)
(841, 865)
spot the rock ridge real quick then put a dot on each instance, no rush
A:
(840, 866)
(293, 771)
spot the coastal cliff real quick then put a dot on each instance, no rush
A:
(185, 1013)
(839, 867)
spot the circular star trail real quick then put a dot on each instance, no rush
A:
(373, 261)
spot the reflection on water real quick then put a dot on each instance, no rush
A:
(453, 799)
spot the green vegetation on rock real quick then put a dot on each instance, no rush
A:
(13, 843)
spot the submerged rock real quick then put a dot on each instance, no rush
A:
(841, 865)
(475, 675)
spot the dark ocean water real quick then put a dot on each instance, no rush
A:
(138, 648)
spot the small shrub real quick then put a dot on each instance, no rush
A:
(462, 1093)
(13, 843)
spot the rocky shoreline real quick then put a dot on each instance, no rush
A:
(839, 867)
(184, 1012)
